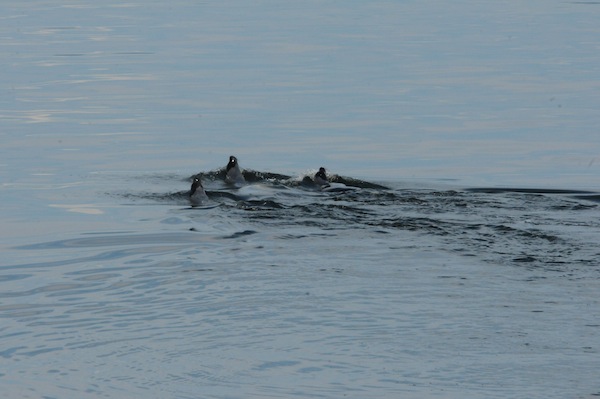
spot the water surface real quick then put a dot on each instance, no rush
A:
(456, 257)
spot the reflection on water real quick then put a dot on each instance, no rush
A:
(283, 285)
(482, 222)
(485, 93)
(459, 255)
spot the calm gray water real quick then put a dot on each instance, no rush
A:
(455, 256)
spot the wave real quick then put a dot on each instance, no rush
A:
(521, 226)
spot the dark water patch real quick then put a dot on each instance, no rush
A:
(216, 195)
(23, 310)
(278, 364)
(338, 183)
(340, 211)
(574, 206)
(419, 224)
(526, 234)
(240, 234)
(574, 194)
(351, 182)
(497, 190)
(593, 198)
(198, 270)
(13, 277)
(179, 197)
(258, 205)
(525, 259)
(501, 225)
(134, 53)
(9, 352)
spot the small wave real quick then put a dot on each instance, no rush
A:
(591, 197)
(501, 225)
(586, 195)
(240, 234)
(497, 190)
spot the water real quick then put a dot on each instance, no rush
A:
(456, 255)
